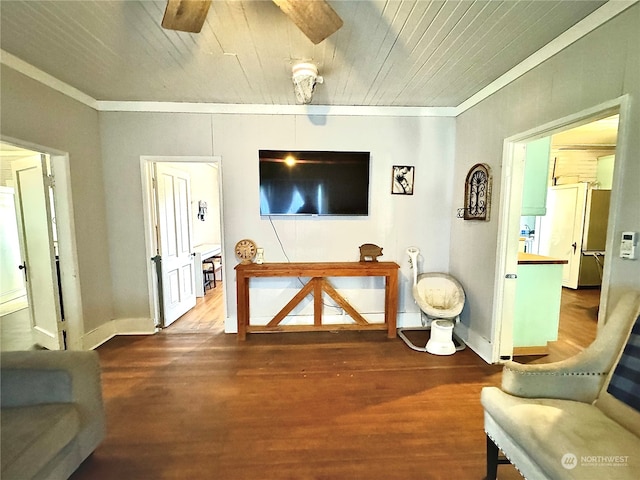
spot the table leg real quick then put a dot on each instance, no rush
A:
(391, 303)
(317, 301)
(242, 293)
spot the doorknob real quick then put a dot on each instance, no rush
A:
(574, 245)
(23, 267)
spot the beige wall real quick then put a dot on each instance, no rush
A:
(37, 115)
(125, 138)
(395, 222)
(601, 67)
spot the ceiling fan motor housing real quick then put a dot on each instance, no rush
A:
(305, 77)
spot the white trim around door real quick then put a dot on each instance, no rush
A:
(510, 208)
(146, 166)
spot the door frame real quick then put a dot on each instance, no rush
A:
(67, 247)
(510, 208)
(148, 206)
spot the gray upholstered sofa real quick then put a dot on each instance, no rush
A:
(574, 419)
(52, 413)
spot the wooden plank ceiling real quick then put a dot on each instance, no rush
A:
(388, 53)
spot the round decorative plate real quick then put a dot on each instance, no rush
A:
(246, 251)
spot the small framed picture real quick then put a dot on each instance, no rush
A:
(402, 181)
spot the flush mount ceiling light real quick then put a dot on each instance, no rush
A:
(305, 77)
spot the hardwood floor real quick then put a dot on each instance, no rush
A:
(192, 402)
(207, 316)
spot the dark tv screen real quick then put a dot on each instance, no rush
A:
(314, 183)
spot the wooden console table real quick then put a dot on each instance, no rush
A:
(318, 283)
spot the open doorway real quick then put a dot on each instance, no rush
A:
(513, 227)
(581, 164)
(183, 220)
(572, 227)
(15, 316)
(34, 254)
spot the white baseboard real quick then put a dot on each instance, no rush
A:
(409, 320)
(118, 326)
(404, 319)
(14, 294)
(230, 325)
(145, 326)
(480, 345)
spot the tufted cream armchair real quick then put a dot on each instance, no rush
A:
(569, 419)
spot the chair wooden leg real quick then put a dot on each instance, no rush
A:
(206, 272)
(492, 460)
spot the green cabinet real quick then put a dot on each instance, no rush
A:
(537, 303)
(536, 177)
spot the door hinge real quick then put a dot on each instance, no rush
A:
(50, 181)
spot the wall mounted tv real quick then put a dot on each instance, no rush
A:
(314, 183)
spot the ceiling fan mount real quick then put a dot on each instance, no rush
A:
(315, 18)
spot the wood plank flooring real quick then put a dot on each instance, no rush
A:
(207, 316)
(191, 402)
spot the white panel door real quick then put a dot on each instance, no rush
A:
(33, 212)
(561, 228)
(173, 195)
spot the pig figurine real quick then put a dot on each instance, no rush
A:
(369, 252)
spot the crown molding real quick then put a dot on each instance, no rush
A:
(257, 109)
(599, 17)
(50, 81)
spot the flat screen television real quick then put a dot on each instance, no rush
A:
(314, 183)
